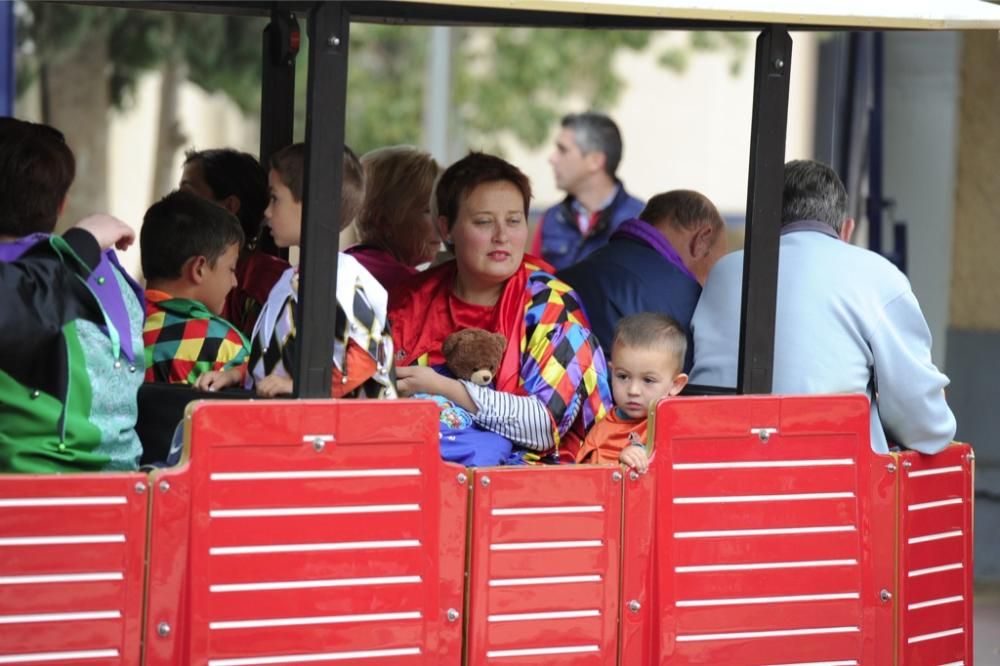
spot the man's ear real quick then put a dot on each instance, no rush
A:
(700, 243)
(680, 381)
(596, 160)
(194, 269)
(847, 230)
(231, 203)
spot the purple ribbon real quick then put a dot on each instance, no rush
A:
(13, 250)
(646, 233)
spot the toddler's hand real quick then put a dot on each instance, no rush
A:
(635, 457)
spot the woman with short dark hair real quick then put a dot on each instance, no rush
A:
(551, 385)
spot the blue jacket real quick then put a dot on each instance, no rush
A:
(627, 277)
(562, 243)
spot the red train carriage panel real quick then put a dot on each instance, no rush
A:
(319, 532)
(72, 564)
(935, 571)
(544, 570)
(774, 536)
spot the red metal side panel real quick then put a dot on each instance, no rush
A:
(544, 571)
(167, 612)
(320, 531)
(72, 567)
(773, 535)
(935, 607)
(639, 643)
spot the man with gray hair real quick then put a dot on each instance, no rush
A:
(585, 160)
(847, 320)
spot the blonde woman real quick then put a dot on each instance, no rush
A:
(394, 227)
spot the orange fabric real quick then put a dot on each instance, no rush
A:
(360, 365)
(605, 441)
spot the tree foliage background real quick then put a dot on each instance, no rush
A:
(507, 82)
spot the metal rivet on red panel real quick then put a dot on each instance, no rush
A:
(163, 629)
(485, 481)
(462, 478)
(634, 606)
(140, 487)
(885, 595)
(616, 476)
(891, 467)
(453, 615)
(634, 475)
(907, 464)
(164, 486)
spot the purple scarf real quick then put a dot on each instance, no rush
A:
(101, 282)
(645, 233)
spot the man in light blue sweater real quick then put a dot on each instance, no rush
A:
(847, 320)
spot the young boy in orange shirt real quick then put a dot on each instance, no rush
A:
(647, 357)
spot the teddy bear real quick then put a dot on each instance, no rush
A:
(474, 354)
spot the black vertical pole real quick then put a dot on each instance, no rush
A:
(760, 259)
(329, 25)
(876, 200)
(277, 99)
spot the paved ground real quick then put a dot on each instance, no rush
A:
(987, 620)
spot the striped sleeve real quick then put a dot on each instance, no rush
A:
(522, 419)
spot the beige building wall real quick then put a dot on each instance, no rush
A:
(975, 283)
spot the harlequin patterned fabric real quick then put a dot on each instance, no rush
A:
(184, 340)
(362, 353)
(556, 358)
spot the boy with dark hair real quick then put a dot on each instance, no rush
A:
(69, 373)
(189, 249)
(647, 357)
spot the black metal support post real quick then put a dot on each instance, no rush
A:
(329, 25)
(277, 96)
(876, 200)
(764, 190)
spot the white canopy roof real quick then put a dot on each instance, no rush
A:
(912, 14)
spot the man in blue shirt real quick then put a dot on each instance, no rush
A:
(586, 157)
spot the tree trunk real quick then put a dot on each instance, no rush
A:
(79, 105)
(169, 134)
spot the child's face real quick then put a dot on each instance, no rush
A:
(640, 376)
(284, 213)
(218, 280)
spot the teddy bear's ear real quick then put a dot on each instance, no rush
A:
(500, 340)
(450, 343)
